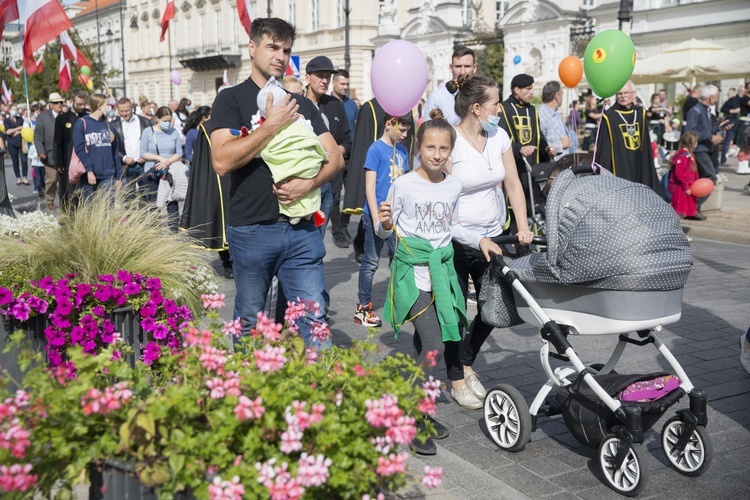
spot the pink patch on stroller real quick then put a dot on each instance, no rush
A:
(650, 390)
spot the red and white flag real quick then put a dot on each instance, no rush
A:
(8, 13)
(7, 94)
(71, 51)
(225, 80)
(13, 71)
(44, 20)
(168, 16)
(246, 14)
(40, 63)
(65, 76)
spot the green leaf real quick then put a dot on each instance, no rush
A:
(146, 421)
(177, 462)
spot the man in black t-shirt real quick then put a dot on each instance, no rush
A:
(263, 243)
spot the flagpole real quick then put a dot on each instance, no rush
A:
(169, 48)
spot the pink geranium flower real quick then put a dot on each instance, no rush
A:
(432, 477)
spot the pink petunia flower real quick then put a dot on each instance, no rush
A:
(270, 359)
(432, 477)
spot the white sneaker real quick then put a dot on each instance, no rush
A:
(476, 386)
(466, 398)
(744, 353)
(733, 151)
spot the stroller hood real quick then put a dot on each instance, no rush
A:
(607, 232)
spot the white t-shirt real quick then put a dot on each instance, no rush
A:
(482, 204)
(429, 211)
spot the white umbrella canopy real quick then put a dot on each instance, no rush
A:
(685, 61)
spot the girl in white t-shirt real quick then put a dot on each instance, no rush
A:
(424, 288)
(478, 162)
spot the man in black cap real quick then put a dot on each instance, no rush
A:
(521, 122)
(318, 77)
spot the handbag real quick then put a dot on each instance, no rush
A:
(76, 168)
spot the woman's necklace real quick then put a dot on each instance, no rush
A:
(481, 151)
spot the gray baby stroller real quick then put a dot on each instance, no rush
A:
(616, 264)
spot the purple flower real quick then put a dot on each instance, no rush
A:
(107, 278)
(89, 346)
(37, 304)
(156, 297)
(55, 337)
(99, 311)
(153, 284)
(170, 307)
(46, 283)
(108, 327)
(173, 342)
(83, 289)
(124, 276)
(116, 356)
(21, 310)
(76, 335)
(119, 297)
(107, 338)
(64, 307)
(148, 324)
(88, 321)
(54, 356)
(103, 294)
(160, 331)
(5, 296)
(139, 278)
(172, 322)
(59, 322)
(148, 310)
(132, 288)
(151, 353)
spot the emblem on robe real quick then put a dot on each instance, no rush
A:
(631, 135)
(523, 128)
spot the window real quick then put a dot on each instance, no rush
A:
(203, 34)
(314, 15)
(292, 11)
(217, 18)
(501, 7)
(340, 6)
(588, 3)
(235, 33)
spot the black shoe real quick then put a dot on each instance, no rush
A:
(427, 448)
(697, 216)
(359, 252)
(228, 273)
(340, 240)
(441, 431)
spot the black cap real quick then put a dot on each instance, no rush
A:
(523, 80)
(320, 63)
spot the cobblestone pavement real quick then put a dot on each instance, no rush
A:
(716, 310)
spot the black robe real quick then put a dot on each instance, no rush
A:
(624, 146)
(207, 199)
(5, 206)
(521, 122)
(369, 128)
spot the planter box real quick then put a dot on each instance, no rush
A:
(123, 318)
(116, 481)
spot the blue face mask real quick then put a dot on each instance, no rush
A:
(111, 113)
(491, 124)
(165, 126)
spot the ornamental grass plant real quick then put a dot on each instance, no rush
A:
(270, 419)
(100, 237)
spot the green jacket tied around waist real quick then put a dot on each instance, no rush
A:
(403, 292)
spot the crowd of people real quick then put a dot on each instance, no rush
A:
(270, 159)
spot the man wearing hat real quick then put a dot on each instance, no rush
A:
(521, 122)
(318, 74)
(44, 141)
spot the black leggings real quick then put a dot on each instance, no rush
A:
(428, 337)
(471, 262)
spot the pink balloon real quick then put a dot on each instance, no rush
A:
(175, 77)
(702, 187)
(398, 76)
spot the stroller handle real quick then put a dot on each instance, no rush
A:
(503, 240)
(587, 169)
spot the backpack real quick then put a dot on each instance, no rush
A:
(664, 181)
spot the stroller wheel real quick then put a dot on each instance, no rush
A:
(507, 417)
(631, 477)
(696, 457)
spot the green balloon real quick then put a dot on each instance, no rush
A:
(608, 62)
(85, 70)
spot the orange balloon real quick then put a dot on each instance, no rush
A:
(701, 188)
(570, 71)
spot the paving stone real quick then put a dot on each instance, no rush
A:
(526, 481)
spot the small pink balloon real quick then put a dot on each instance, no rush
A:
(398, 76)
(175, 77)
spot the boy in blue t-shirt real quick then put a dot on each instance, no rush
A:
(382, 168)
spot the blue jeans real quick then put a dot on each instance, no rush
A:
(326, 203)
(89, 190)
(39, 178)
(371, 258)
(292, 253)
(727, 140)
